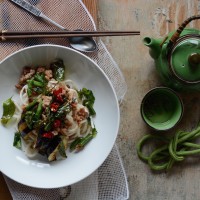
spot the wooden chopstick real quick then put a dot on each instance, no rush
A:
(6, 32)
(7, 35)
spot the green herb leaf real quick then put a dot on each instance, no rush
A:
(63, 110)
(58, 70)
(17, 140)
(88, 100)
(50, 120)
(8, 111)
(28, 117)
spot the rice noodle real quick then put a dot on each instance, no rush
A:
(72, 132)
(71, 84)
(23, 95)
(50, 113)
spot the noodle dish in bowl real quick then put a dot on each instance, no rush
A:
(59, 116)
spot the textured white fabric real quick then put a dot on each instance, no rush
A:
(109, 181)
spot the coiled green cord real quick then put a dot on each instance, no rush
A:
(175, 149)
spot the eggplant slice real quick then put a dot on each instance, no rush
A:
(45, 146)
(53, 148)
(25, 132)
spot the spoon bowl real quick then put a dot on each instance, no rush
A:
(86, 44)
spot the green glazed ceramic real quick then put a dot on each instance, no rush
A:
(177, 57)
(161, 108)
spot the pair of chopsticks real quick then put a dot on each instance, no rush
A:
(7, 35)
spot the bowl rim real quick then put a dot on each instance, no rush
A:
(115, 97)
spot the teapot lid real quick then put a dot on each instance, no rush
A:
(185, 59)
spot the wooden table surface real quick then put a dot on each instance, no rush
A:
(153, 18)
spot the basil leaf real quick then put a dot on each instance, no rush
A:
(88, 99)
(8, 111)
(89, 105)
(17, 140)
(58, 70)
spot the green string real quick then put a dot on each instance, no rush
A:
(174, 150)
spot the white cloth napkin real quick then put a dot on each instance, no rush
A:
(109, 181)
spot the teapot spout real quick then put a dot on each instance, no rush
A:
(154, 45)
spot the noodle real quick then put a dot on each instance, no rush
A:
(51, 115)
(23, 95)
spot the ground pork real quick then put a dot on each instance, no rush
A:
(46, 100)
(27, 73)
(48, 74)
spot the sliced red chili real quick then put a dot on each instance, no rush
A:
(58, 94)
(59, 98)
(56, 123)
(54, 106)
(48, 135)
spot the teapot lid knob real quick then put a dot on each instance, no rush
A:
(194, 59)
(185, 59)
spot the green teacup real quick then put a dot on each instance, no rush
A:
(161, 108)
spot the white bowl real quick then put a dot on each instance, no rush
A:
(40, 173)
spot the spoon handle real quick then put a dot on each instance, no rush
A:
(36, 12)
(51, 21)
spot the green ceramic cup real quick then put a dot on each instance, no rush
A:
(161, 108)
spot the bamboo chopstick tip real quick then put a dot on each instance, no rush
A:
(4, 31)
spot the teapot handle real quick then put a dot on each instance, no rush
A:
(176, 35)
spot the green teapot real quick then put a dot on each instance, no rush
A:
(177, 57)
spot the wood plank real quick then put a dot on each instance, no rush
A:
(92, 8)
(4, 191)
(154, 18)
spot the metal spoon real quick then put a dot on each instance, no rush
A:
(84, 44)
